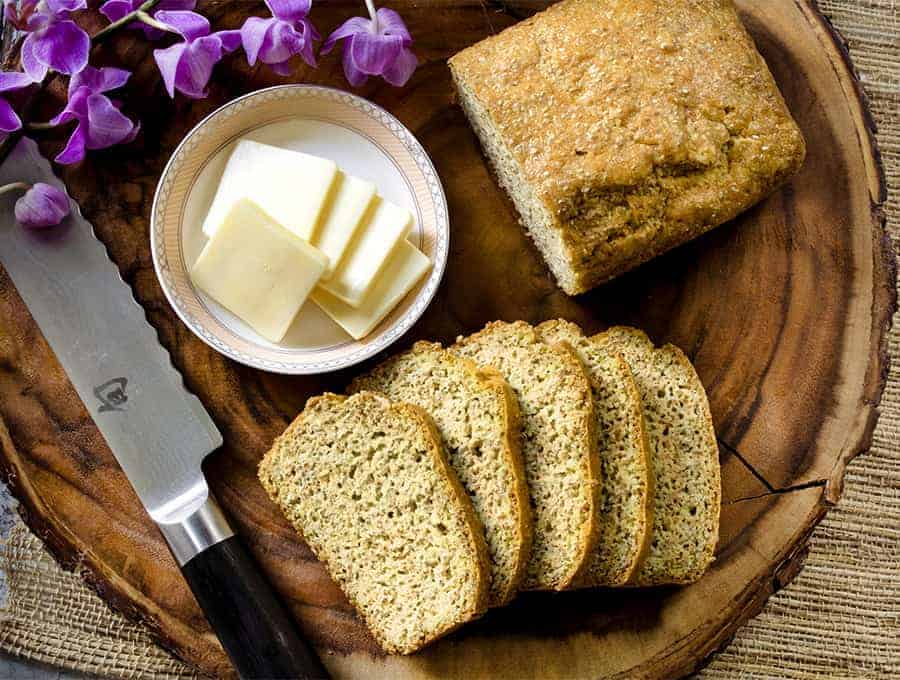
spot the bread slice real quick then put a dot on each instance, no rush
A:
(367, 484)
(684, 454)
(559, 446)
(477, 415)
(624, 513)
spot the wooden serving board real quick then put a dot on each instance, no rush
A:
(784, 313)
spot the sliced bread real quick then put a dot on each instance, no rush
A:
(559, 446)
(366, 483)
(623, 450)
(477, 415)
(684, 455)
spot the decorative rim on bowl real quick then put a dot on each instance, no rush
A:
(185, 165)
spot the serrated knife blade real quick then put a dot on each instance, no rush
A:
(158, 431)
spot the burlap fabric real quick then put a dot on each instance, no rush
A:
(840, 618)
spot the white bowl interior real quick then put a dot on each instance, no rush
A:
(355, 154)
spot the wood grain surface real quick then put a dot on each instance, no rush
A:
(783, 311)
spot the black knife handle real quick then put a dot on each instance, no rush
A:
(250, 622)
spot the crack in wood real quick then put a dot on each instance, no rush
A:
(753, 471)
(782, 490)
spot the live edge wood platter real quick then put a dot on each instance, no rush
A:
(784, 313)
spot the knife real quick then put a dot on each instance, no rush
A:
(158, 431)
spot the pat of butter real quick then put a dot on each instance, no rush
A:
(350, 203)
(292, 187)
(404, 269)
(258, 270)
(368, 252)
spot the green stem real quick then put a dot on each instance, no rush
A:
(145, 18)
(39, 126)
(14, 186)
(104, 32)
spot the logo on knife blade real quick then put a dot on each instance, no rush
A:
(112, 394)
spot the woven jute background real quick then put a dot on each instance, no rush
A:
(840, 618)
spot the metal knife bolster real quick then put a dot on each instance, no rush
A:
(200, 529)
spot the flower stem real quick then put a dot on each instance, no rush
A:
(39, 126)
(104, 32)
(14, 186)
(145, 18)
(370, 5)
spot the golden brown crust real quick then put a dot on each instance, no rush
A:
(590, 532)
(477, 545)
(519, 493)
(640, 434)
(637, 124)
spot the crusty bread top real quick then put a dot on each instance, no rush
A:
(625, 511)
(559, 446)
(670, 100)
(367, 484)
(685, 458)
(478, 418)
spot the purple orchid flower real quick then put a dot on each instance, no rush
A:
(54, 41)
(375, 47)
(275, 40)
(43, 205)
(187, 66)
(116, 9)
(100, 123)
(11, 80)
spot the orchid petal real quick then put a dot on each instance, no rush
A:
(310, 34)
(43, 205)
(100, 79)
(282, 42)
(14, 80)
(373, 53)
(35, 69)
(63, 7)
(253, 36)
(106, 124)
(9, 119)
(63, 46)
(116, 9)
(196, 66)
(390, 23)
(354, 76)
(189, 25)
(74, 151)
(167, 62)
(400, 71)
(230, 40)
(349, 28)
(289, 10)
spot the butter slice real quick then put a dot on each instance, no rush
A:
(402, 271)
(292, 187)
(351, 199)
(258, 270)
(368, 252)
